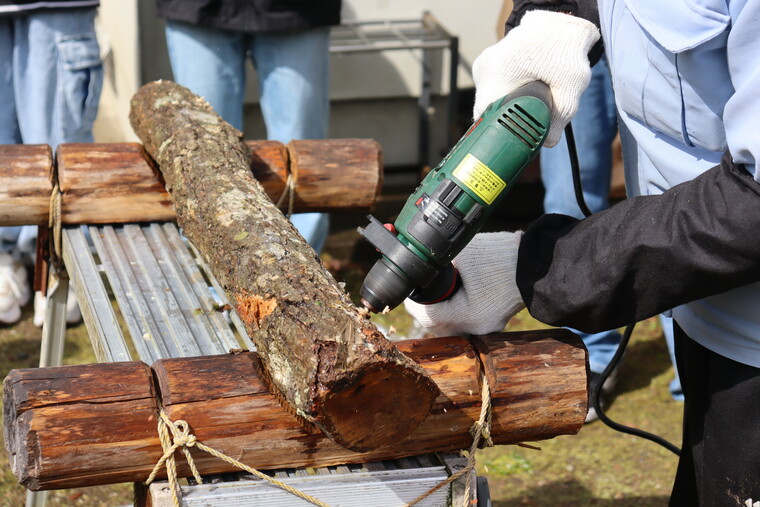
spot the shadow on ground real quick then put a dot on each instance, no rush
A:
(575, 495)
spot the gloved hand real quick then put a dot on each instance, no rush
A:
(488, 297)
(546, 46)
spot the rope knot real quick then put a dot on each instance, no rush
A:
(176, 435)
(182, 435)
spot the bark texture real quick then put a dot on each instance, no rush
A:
(332, 366)
(95, 424)
(26, 173)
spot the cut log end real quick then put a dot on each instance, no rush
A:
(21, 444)
(382, 407)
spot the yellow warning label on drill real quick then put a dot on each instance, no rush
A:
(477, 176)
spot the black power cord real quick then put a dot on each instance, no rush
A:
(598, 382)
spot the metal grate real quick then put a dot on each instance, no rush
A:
(425, 34)
(388, 35)
(165, 297)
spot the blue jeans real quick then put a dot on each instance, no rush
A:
(50, 82)
(667, 330)
(594, 128)
(293, 71)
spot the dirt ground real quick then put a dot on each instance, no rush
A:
(598, 466)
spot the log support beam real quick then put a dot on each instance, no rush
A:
(76, 426)
(119, 182)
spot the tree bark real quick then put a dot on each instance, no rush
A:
(95, 424)
(323, 355)
(119, 183)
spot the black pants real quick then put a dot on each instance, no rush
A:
(720, 455)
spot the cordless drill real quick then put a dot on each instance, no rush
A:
(453, 201)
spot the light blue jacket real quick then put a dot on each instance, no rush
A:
(686, 75)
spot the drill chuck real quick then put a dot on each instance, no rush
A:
(384, 286)
(387, 285)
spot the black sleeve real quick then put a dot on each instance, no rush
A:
(644, 255)
(586, 9)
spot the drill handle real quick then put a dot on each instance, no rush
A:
(537, 89)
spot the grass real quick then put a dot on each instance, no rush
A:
(20, 348)
(598, 466)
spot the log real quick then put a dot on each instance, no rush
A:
(119, 183)
(540, 392)
(25, 187)
(105, 410)
(317, 191)
(104, 181)
(321, 353)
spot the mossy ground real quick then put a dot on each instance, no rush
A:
(598, 466)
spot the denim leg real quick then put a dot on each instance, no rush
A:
(667, 329)
(601, 347)
(9, 131)
(594, 128)
(293, 70)
(211, 63)
(57, 78)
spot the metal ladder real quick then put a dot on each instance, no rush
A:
(145, 294)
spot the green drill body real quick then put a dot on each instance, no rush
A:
(456, 198)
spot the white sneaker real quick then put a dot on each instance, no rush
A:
(10, 311)
(40, 307)
(73, 313)
(14, 289)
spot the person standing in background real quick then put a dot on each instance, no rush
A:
(51, 77)
(288, 43)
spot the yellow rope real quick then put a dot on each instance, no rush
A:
(182, 438)
(481, 429)
(54, 223)
(289, 190)
(176, 435)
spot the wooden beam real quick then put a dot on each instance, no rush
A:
(95, 424)
(101, 182)
(25, 184)
(103, 409)
(335, 173)
(119, 182)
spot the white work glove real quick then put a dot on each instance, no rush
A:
(546, 46)
(488, 297)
